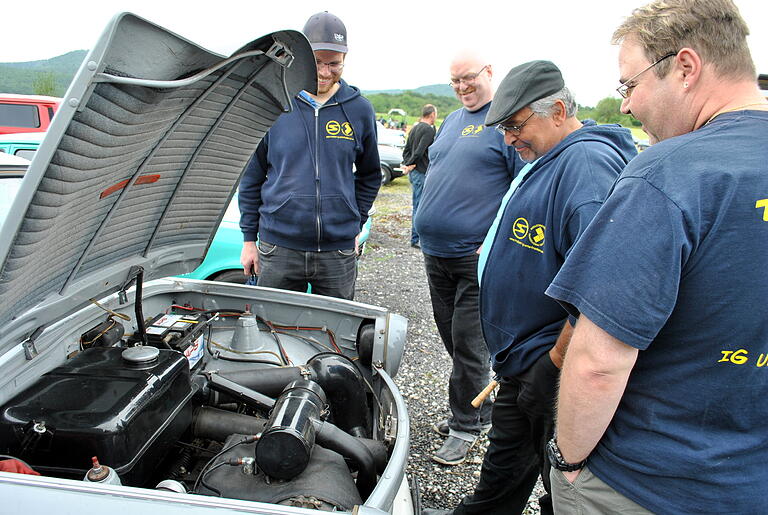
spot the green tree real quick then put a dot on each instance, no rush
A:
(608, 110)
(44, 84)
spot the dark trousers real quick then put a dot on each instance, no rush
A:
(331, 273)
(417, 186)
(454, 292)
(522, 425)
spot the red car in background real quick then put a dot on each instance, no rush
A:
(26, 113)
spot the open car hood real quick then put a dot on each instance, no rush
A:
(138, 166)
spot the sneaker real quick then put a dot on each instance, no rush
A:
(453, 451)
(441, 428)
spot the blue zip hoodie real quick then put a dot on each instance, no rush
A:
(299, 190)
(540, 224)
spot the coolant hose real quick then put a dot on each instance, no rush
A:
(333, 438)
(343, 383)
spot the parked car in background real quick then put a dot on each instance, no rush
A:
(26, 113)
(12, 170)
(22, 144)
(391, 144)
(392, 137)
(135, 392)
(391, 160)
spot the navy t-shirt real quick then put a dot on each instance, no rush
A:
(543, 219)
(676, 264)
(470, 169)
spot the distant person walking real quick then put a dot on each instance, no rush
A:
(416, 158)
(300, 194)
(470, 169)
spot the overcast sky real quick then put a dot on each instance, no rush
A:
(393, 44)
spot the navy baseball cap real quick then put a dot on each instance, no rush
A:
(326, 32)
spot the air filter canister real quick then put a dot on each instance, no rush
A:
(285, 446)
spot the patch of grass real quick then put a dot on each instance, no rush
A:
(638, 133)
(385, 257)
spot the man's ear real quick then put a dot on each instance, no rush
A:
(687, 67)
(559, 112)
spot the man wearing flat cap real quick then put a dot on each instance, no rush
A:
(570, 168)
(306, 192)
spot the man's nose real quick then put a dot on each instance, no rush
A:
(624, 108)
(509, 138)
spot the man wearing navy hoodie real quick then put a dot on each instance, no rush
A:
(306, 192)
(570, 168)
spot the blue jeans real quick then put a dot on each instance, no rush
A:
(331, 273)
(455, 303)
(417, 186)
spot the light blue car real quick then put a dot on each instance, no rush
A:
(222, 262)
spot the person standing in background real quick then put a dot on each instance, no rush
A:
(416, 158)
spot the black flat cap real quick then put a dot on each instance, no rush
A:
(523, 85)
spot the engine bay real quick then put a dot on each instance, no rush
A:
(212, 401)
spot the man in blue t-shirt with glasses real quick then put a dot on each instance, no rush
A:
(470, 169)
(664, 391)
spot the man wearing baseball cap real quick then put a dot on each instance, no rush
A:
(570, 168)
(306, 192)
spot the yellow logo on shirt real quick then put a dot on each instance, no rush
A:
(529, 237)
(472, 130)
(764, 204)
(336, 130)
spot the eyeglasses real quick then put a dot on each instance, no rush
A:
(332, 67)
(514, 129)
(625, 90)
(467, 79)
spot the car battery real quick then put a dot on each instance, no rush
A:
(181, 332)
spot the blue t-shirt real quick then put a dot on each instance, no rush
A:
(542, 220)
(470, 169)
(676, 265)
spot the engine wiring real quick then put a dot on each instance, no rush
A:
(212, 343)
(125, 317)
(274, 329)
(243, 440)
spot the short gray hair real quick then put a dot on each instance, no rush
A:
(543, 107)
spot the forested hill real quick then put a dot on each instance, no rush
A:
(25, 78)
(52, 77)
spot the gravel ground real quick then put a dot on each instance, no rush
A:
(391, 274)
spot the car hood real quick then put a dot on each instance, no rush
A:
(138, 166)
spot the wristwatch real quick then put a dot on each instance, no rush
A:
(557, 461)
